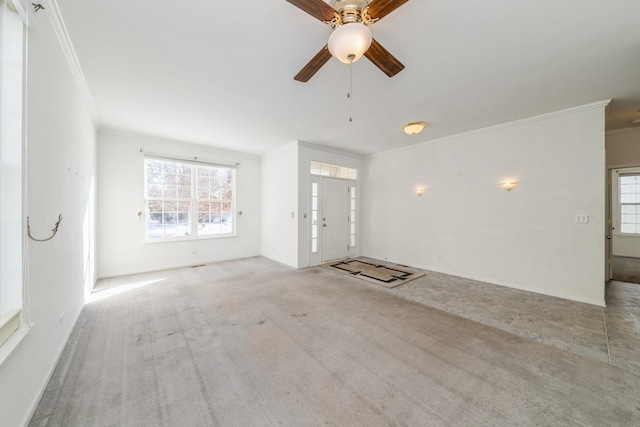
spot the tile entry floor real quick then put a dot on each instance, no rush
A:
(609, 335)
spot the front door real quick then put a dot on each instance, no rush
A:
(335, 218)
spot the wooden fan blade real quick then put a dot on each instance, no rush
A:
(383, 59)
(381, 8)
(314, 65)
(316, 8)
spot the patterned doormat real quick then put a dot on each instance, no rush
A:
(389, 275)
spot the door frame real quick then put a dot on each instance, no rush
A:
(613, 211)
(608, 249)
(315, 258)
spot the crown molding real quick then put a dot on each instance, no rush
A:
(60, 29)
(591, 106)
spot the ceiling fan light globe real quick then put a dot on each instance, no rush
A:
(350, 39)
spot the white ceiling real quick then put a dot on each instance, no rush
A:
(221, 72)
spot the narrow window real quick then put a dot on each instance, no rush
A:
(352, 216)
(214, 193)
(314, 217)
(629, 203)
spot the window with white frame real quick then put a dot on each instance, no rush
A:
(188, 199)
(11, 149)
(333, 171)
(314, 217)
(352, 216)
(629, 187)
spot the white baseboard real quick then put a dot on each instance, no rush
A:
(45, 382)
(570, 297)
(167, 267)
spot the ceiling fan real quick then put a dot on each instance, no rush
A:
(349, 19)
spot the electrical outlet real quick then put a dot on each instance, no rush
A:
(582, 219)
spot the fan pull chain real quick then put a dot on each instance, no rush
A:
(350, 88)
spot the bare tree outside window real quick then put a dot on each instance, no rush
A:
(188, 200)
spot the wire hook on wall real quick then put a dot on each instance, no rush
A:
(55, 230)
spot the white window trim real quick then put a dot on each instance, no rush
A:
(14, 323)
(329, 170)
(14, 337)
(195, 162)
(315, 180)
(8, 325)
(353, 215)
(14, 340)
(617, 209)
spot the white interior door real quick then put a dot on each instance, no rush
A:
(335, 218)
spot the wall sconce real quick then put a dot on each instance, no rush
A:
(420, 191)
(508, 185)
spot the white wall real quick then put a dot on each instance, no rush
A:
(467, 225)
(280, 205)
(307, 153)
(61, 168)
(121, 233)
(286, 200)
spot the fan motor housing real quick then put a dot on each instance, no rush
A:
(350, 10)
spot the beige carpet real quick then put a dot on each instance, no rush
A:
(387, 275)
(255, 343)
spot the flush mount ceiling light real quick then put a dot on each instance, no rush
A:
(508, 185)
(414, 128)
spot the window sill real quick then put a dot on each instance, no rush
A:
(188, 239)
(13, 341)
